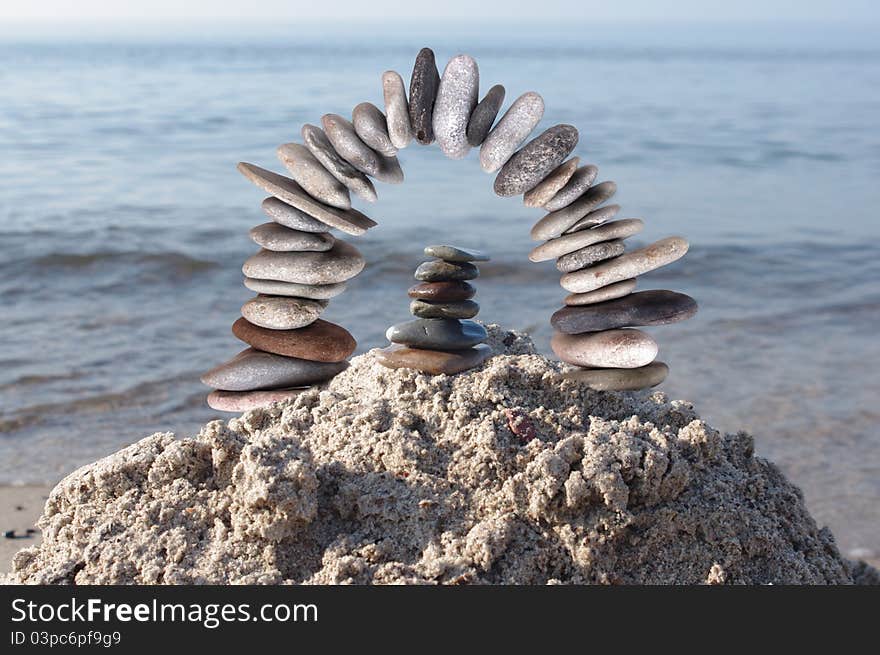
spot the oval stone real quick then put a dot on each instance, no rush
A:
(574, 189)
(390, 171)
(282, 312)
(620, 379)
(556, 223)
(321, 341)
(312, 176)
(273, 236)
(575, 261)
(629, 265)
(439, 333)
(342, 262)
(277, 288)
(612, 291)
(456, 99)
(396, 109)
(456, 254)
(319, 145)
(349, 145)
(555, 180)
(534, 162)
(655, 307)
(254, 369)
(441, 271)
(371, 126)
(449, 291)
(243, 401)
(594, 218)
(484, 115)
(610, 349)
(426, 309)
(572, 242)
(433, 362)
(422, 93)
(514, 127)
(291, 217)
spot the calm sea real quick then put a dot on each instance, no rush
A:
(123, 225)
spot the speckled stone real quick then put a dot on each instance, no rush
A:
(319, 145)
(312, 176)
(342, 262)
(426, 309)
(596, 217)
(282, 312)
(320, 341)
(254, 369)
(574, 261)
(450, 291)
(244, 401)
(273, 236)
(556, 223)
(291, 217)
(484, 115)
(288, 191)
(537, 158)
(554, 181)
(610, 349)
(612, 291)
(349, 145)
(437, 333)
(513, 128)
(573, 242)
(277, 288)
(645, 308)
(456, 99)
(574, 189)
(433, 362)
(422, 93)
(396, 109)
(629, 265)
(620, 379)
(441, 271)
(372, 128)
(456, 254)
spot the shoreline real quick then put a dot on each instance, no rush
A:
(20, 507)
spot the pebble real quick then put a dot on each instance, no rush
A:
(537, 158)
(342, 262)
(273, 236)
(594, 218)
(291, 217)
(456, 254)
(456, 99)
(514, 127)
(440, 333)
(449, 291)
(422, 94)
(575, 261)
(349, 145)
(555, 180)
(427, 309)
(390, 171)
(312, 176)
(655, 307)
(574, 189)
(433, 362)
(572, 242)
(612, 291)
(556, 223)
(484, 115)
(350, 221)
(320, 341)
(282, 312)
(277, 288)
(620, 379)
(319, 145)
(441, 271)
(372, 128)
(626, 266)
(610, 349)
(254, 369)
(396, 109)
(243, 401)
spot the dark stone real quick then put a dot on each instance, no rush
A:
(422, 94)
(442, 271)
(450, 291)
(536, 160)
(437, 333)
(433, 362)
(456, 254)
(640, 308)
(484, 115)
(254, 369)
(426, 309)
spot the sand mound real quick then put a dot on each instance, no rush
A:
(500, 475)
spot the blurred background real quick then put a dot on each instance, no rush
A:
(750, 128)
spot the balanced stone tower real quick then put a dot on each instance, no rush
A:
(440, 340)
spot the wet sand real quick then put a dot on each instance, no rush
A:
(20, 507)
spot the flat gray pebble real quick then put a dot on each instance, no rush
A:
(312, 176)
(291, 217)
(282, 312)
(574, 261)
(396, 109)
(456, 254)
(254, 369)
(555, 180)
(480, 122)
(426, 309)
(567, 243)
(349, 145)
(556, 223)
(439, 333)
(514, 127)
(537, 158)
(273, 236)
(278, 288)
(340, 263)
(574, 189)
(655, 307)
(442, 271)
(371, 126)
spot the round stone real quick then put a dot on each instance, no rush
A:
(433, 362)
(437, 333)
(556, 223)
(422, 94)
(312, 176)
(396, 109)
(513, 128)
(320, 341)
(243, 401)
(534, 162)
(342, 262)
(282, 312)
(442, 271)
(610, 349)
(594, 218)
(273, 236)
(574, 189)
(449, 291)
(372, 128)
(427, 309)
(456, 254)
(484, 115)
(319, 145)
(456, 99)
(620, 379)
(254, 369)
(349, 145)
(291, 217)
(612, 291)
(276, 288)
(555, 180)
(568, 243)
(574, 261)
(629, 265)
(656, 307)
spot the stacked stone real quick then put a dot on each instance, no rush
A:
(440, 340)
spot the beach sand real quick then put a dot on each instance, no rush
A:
(20, 507)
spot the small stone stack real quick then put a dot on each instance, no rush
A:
(439, 341)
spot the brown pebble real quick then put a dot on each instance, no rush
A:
(434, 362)
(450, 291)
(242, 401)
(320, 341)
(520, 424)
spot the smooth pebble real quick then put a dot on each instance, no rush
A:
(449, 291)
(278, 288)
(439, 333)
(612, 291)
(319, 145)
(610, 349)
(396, 109)
(427, 309)
(282, 312)
(342, 262)
(644, 308)
(527, 167)
(574, 189)
(480, 122)
(349, 145)
(456, 99)
(555, 180)
(456, 254)
(422, 94)
(514, 127)
(433, 362)
(244, 401)
(556, 223)
(563, 245)
(291, 217)
(254, 369)
(574, 261)
(372, 128)
(596, 217)
(273, 236)
(308, 172)
(441, 271)
(619, 379)
(320, 341)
